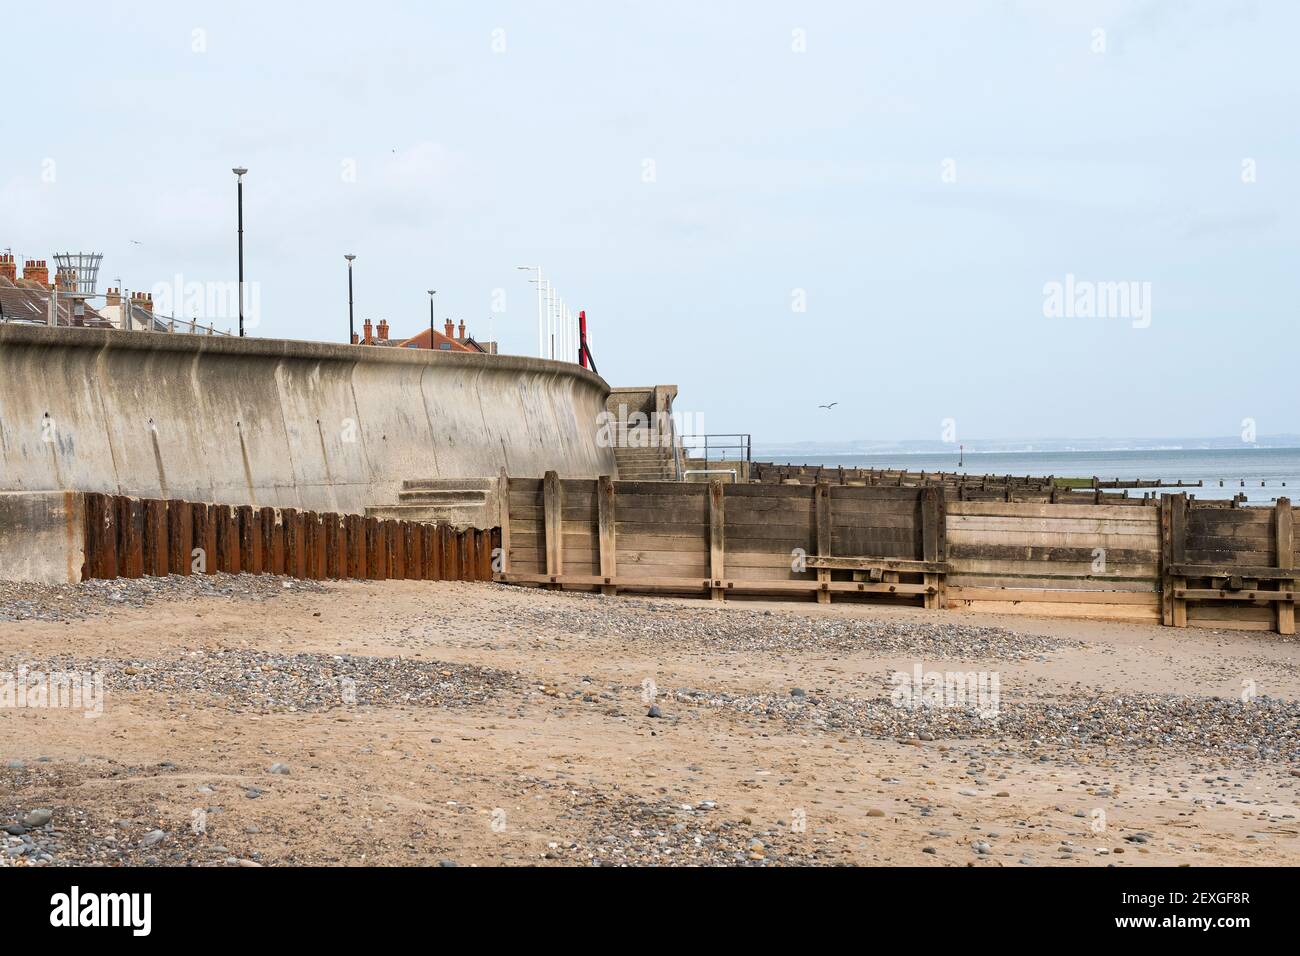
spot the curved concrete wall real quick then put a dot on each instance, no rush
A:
(281, 423)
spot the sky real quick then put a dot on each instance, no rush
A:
(773, 205)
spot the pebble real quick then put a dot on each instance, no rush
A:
(37, 818)
(20, 601)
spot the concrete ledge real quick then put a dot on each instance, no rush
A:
(42, 536)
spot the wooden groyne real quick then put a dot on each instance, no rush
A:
(133, 537)
(1176, 560)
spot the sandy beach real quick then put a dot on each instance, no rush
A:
(257, 721)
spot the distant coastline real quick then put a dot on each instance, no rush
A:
(1025, 446)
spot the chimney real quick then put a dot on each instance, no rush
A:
(354, 338)
(36, 270)
(143, 300)
(451, 329)
(66, 280)
(462, 330)
(8, 268)
(113, 297)
(369, 334)
(383, 330)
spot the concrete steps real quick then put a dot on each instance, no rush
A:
(640, 457)
(459, 502)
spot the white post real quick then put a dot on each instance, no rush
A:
(54, 306)
(541, 324)
(550, 321)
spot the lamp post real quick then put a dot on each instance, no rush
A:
(432, 293)
(352, 332)
(239, 172)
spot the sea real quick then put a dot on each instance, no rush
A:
(1262, 474)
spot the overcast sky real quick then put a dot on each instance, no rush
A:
(773, 205)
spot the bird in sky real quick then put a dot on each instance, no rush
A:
(831, 405)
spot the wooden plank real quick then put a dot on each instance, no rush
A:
(1178, 554)
(717, 539)
(1229, 556)
(1123, 512)
(1022, 553)
(1284, 532)
(931, 522)
(227, 541)
(130, 539)
(264, 529)
(273, 541)
(291, 535)
(1081, 526)
(1021, 595)
(606, 529)
(1053, 582)
(250, 539)
(1106, 612)
(1260, 572)
(310, 542)
(1166, 562)
(413, 544)
(822, 503)
(553, 497)
(180, 537)
(375, 567)
(428, 534)
(488, 543)
(155, 537)
(906, 565)
(1254, 594)
(1149, 569)
(468, 545)
(101, 536)
(503, 518)
(392, 541)
(1050, 539)
(354, 531)
(450, 553)
(336, 546)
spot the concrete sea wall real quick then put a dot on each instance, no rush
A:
(279, 423)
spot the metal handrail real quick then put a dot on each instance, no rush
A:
(736, 442)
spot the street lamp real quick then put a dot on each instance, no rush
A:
(352, 332)
(432, 293)
(239, 172)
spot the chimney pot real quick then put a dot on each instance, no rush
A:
(462, 330)
(451, 329)
(35, 270)
(369, 336)
(383, 330)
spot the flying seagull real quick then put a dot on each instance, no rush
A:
(831, 405)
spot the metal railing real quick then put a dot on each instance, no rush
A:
(61, 309)
(718, 447)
